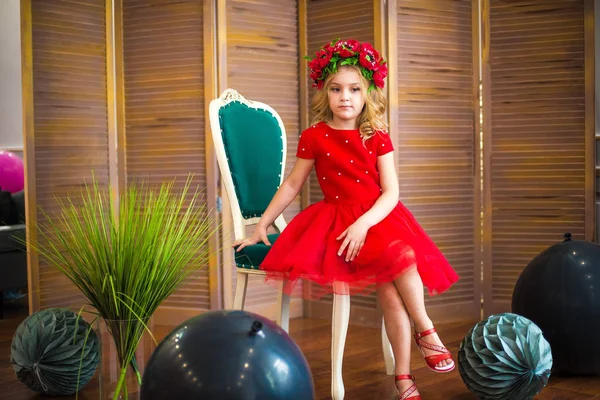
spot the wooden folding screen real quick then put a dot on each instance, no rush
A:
(165, 100)
(117, 88)
(121, 88)
(539, 131)
(66, 119)
(433, 112)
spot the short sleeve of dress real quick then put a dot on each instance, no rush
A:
(304, 146)
(384, 144)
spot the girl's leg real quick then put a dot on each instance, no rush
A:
(410, 287)
(397, 326)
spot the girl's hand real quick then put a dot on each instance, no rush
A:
(259, 235)
(354, 238)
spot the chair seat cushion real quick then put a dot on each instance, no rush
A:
(252, 256)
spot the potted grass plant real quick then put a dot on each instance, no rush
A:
(127, 254)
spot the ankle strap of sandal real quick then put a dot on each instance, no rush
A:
(419, 335)
(405, 376)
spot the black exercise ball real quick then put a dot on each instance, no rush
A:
(227, 355)
(559, 291)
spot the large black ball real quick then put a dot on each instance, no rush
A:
(227, 355)
(559, 291)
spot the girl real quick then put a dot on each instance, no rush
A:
(360, 234)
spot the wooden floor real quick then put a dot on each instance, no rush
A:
(363, 365)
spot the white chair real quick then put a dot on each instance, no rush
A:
(250, 145)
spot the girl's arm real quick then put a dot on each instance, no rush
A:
(354, 237)
(390, 191)
(286, 193)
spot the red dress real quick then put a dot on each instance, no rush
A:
(346, 168)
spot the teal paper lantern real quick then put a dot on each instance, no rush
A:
(505, 357)
(50, 352)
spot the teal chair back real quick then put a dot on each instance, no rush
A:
(253, 141)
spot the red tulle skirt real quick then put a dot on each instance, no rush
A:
(308, 249)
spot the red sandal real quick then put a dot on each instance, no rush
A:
(410, 390)
(434, 359)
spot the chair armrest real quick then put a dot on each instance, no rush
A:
(9, 235)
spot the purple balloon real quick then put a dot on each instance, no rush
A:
(12, 172)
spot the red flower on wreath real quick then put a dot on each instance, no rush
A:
(324, 56)
(379, 75)
(346, 48)
(369, 57)
(316, 74)
(328, 48)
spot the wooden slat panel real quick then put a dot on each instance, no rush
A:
(70, 129)
(262, 65)
(163, 60)
(436, 149)
(354, 19)
(537, 111)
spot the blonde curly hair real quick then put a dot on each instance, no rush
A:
(369, 120)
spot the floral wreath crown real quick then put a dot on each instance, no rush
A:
(347, 52)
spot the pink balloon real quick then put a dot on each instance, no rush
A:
(12, 172)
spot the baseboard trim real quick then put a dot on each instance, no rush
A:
(173, 316)
(361, 316)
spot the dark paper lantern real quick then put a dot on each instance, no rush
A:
(52, 349)
(505, 357)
